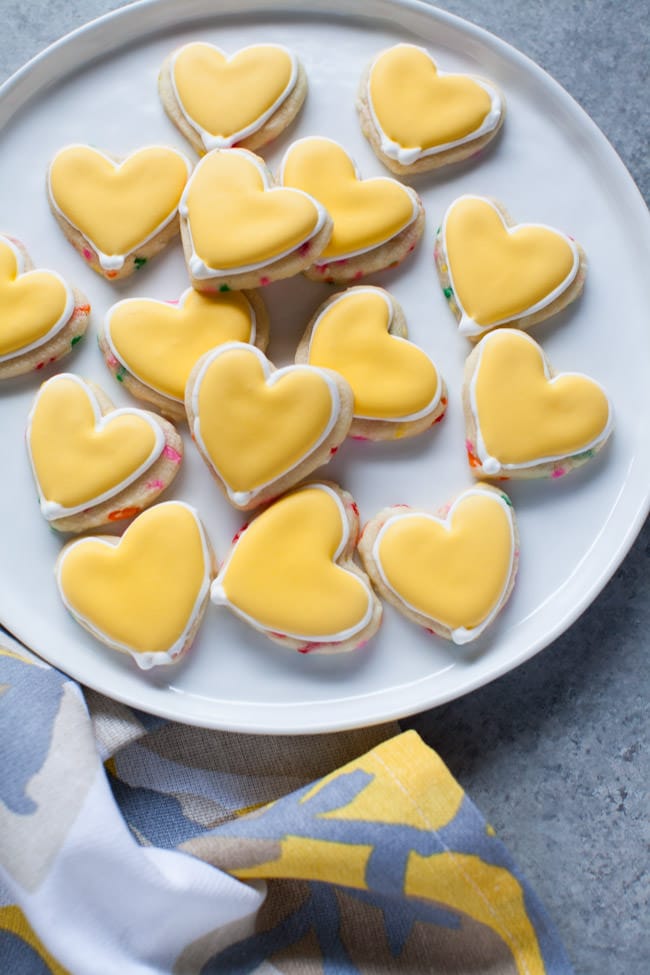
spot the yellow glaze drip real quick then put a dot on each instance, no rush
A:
(226, 95)
(498, 274)
(160, 343)
(254, 429)
(416, 107)
(524, 417)
(228, 192)
(282, 573)
(30, 304)
(366, 213)
(142, 592)
(76, 460)
(454, 573)
(117, 206)
(390, 378)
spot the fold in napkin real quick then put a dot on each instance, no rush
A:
(191, 851)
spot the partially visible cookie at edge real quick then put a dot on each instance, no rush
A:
(42, 318)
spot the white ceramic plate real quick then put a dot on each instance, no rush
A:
(551, 165)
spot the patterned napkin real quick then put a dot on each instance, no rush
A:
(192, 851)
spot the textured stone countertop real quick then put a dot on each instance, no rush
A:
(556, 752)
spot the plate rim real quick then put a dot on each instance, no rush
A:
(58, 61)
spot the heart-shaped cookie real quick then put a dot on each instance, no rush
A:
(493, 272)
(34, 305)
(218, 101)
(362, 335)
(452, 573)
(272, 232)
(524, 421)
(373, 218)
(145, 593)
(419, 115)
(111, 208)
(261, 430)
(92, 463)
(290, 573)
(152, 346)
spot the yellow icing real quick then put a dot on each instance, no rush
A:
(142, 592)
(228, 190)
(390, 378)
(453, 572)
(366, 213)
(255, 429)
(498, 274)
(75, 458)
(417, 107)
(117, 206)
(282, 573)
(30, 304)
(524, 417)
(160, 343)
(224, 95)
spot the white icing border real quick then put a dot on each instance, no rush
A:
(489, 464)
(431, 407)
(219, 596)
(144, 659)
(385, 179)
(407, 155)
(271, 377)
(113, 262)
(467, 325)
(52, 510)
(67, 311)
(211, 141)
(460, 635)
(165, 304)
(197, 266)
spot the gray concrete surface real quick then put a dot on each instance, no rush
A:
(555, 753)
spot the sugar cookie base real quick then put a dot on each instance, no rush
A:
(388, 255)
